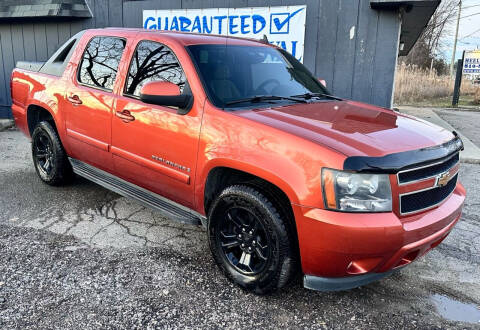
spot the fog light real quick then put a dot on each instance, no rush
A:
(363, 266)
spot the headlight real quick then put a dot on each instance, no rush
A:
(354, 192)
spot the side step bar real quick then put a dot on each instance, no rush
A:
(165, 206)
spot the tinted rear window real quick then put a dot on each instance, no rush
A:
(100, 62)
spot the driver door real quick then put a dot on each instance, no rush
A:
(153, 146)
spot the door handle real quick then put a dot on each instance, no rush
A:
(125, 116)
(74, 99)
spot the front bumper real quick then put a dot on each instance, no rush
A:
(343, 250)
(341, 283)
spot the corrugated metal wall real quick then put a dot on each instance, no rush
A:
(360, 68)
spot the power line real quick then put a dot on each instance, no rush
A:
(471, 34)
(471, 6)
(470, 15)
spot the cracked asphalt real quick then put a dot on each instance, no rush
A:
(82, 257)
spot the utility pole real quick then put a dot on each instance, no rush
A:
(456, 38)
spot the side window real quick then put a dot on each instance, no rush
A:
(153, 61)
(100, 62)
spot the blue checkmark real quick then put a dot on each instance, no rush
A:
(279, 24)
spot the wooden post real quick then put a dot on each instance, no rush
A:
(458, 82)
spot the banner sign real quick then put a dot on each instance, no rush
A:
(284, 26)
(471, 62)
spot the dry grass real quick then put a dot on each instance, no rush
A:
(413, 85)
(476, 99)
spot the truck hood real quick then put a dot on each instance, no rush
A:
(352, 128)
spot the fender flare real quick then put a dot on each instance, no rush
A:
(59, 124)
(248, 168)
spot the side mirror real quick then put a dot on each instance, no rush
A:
(167, 94)
(323, 82)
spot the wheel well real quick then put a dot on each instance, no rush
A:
(36, 114)
(220, 178)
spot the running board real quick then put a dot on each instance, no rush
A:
(165, 206)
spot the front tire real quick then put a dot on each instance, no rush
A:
(49, 157)
(250, 241)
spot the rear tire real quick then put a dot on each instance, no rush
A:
(49, 157)
(250, 241)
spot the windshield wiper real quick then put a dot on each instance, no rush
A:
(308, 96)
(260, 98)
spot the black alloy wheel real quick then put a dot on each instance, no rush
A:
(43, 153)
(244, 241)
(251, 241)
(49, 157)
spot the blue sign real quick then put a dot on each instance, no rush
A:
(471, 62)
(284, 26)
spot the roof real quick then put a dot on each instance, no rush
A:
(44, 8)
(187, 38)
(416, 15)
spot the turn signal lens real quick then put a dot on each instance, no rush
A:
(328, 180)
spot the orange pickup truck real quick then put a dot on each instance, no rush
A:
(238, 136)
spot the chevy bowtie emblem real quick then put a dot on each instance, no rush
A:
(443, 179)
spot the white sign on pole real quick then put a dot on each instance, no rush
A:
(471, 62)
(284, 26)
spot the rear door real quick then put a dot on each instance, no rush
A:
(156, 148)
(90, 100)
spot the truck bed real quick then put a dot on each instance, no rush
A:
(30, 66)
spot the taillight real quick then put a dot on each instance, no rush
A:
(11, 85)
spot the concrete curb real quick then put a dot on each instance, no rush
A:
(470, 161)
(471, 154)
(6, 124)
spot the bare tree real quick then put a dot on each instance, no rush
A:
(100, 61)
(427, 50)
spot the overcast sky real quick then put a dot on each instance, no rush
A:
(469, 33)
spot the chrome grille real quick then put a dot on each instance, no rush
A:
(428, 171)
(420, 200)
(426, 199)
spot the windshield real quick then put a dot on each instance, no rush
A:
(234, 73)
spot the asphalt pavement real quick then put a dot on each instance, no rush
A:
(464, 122)
(83, 257)
(467, 121)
